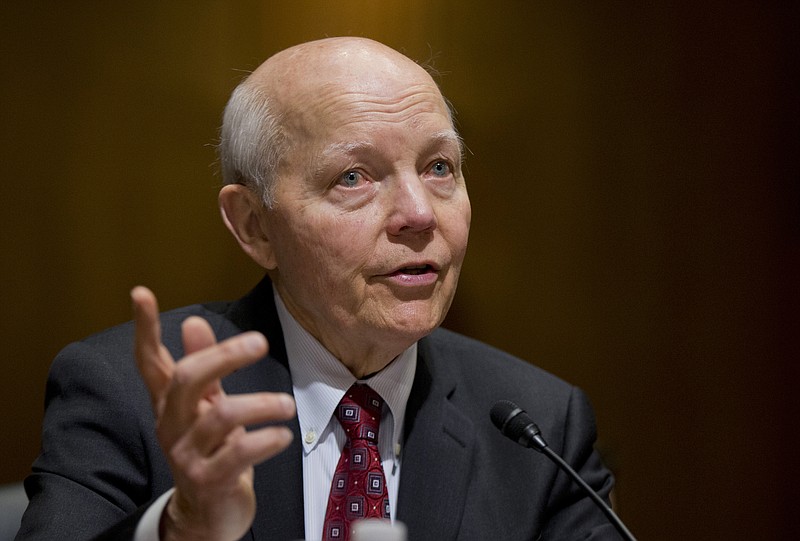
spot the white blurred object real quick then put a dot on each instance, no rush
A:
(378, 530)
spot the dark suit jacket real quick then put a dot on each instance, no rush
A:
(101, 464)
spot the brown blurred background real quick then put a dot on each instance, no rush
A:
(633, 171)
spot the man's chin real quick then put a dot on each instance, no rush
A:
(416, 319)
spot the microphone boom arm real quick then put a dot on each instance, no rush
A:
(566, 468)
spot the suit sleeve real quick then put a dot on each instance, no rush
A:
(97, 464)
(571, 513)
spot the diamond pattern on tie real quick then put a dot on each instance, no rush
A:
(358, 489)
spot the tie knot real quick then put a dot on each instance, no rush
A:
(359, 413)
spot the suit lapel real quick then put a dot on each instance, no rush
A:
(437, 455)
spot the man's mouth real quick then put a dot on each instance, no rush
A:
(416, 269)
(419, 275)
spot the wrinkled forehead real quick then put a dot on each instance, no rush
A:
(339, 106)
(357, 92)
(367, 112)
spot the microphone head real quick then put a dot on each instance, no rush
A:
(502, 412)
(516, 425)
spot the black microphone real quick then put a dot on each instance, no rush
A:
(517, 425)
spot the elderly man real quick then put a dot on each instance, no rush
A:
(343, 180)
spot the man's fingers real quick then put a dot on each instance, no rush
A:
(212, 428)
(241, 450)
(197, 334)
(195, 374)
(154, 361)
(251, 447)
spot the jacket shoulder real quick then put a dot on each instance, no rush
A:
(487, 369)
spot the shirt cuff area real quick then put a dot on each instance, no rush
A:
(147, 529)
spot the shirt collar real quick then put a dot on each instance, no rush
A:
(319, 380)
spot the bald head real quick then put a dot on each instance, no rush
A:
(334, 64)
(273, 111)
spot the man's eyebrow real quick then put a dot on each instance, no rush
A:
(449, 137)
(337, 149)
(346, 148)
(441, 137)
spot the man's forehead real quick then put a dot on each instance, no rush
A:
(347, 112)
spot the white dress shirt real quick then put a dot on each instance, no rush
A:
(319, 382)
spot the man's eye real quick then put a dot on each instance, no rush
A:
(440, 168)
(350, 179)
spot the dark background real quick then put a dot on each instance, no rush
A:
(633, 171)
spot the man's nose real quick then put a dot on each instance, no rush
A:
(412, 206)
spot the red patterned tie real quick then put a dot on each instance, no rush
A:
(359, 486)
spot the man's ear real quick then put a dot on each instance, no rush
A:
(244, 216)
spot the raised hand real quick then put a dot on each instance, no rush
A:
(201, 429)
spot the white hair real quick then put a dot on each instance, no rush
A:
(252, 142)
